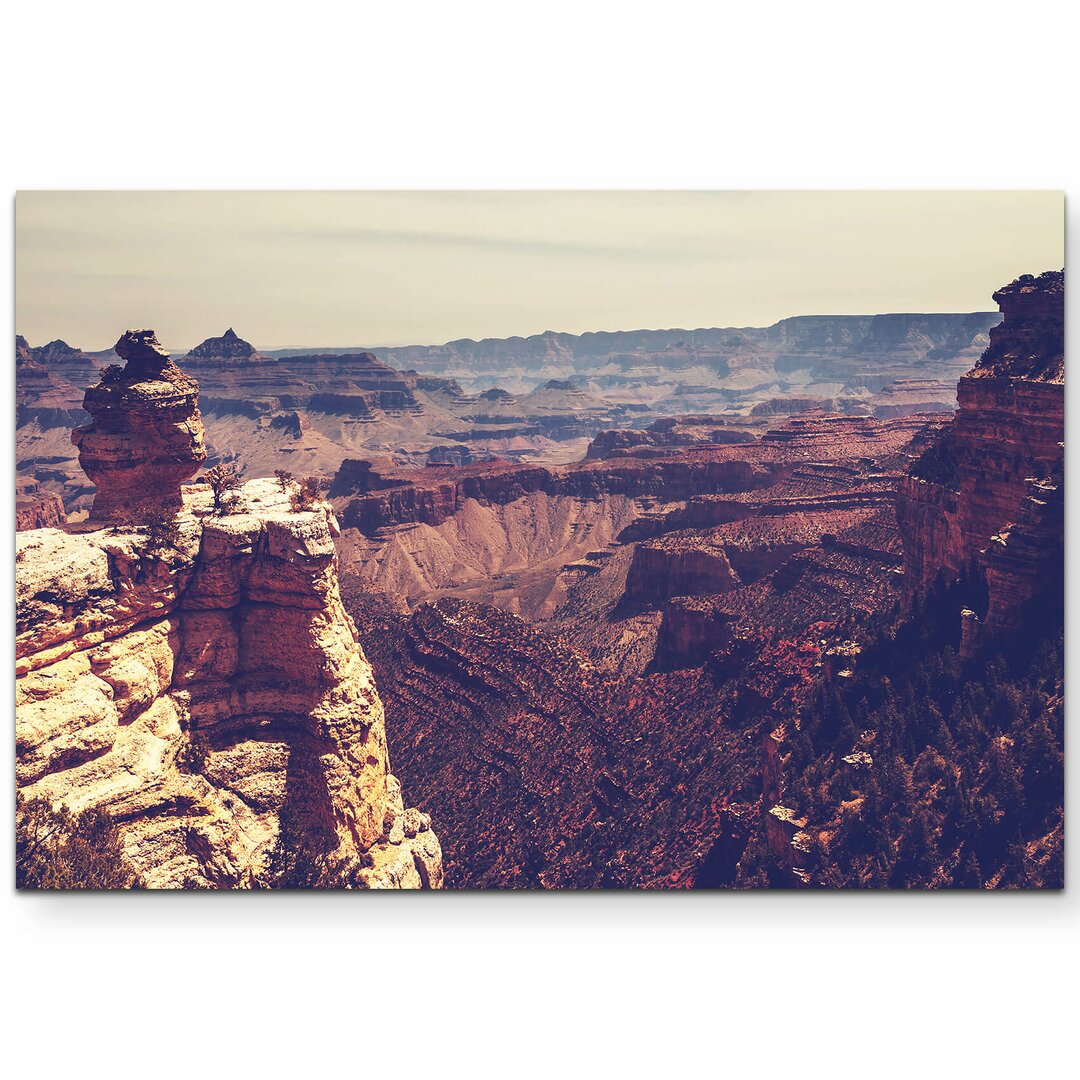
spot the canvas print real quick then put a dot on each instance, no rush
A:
(539, 540)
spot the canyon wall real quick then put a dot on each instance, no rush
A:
(375, 497)
(547, 775)
(996, 473)
(36, 509)
(821, 342)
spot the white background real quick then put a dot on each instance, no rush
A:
(473, 94)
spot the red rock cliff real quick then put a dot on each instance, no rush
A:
(977, 498)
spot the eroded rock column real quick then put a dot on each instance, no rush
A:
(146, 437)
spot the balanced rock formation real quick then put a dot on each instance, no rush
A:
(146, 437)
(996, 471)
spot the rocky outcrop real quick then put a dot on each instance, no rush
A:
(457, 456)
(203, 691)
(665, 435)
(43, 394)
(146, 436)
(903, 397)
(992, 477)
(789, 406)
(692, 629)
(1024, 564)
(678, 566)
(36, 509)
(293, 423)
(194, 676)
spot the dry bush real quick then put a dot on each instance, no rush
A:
(55, 849)
(310, 491)
(224, 480)
(161, 526)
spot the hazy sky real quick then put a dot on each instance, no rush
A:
(378, 268)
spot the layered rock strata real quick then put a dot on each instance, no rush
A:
(669, 433)
(994, 476)
(377, 496)
(831, 346)
(203, 692)
(678, 567)
(547, 774)
(561, 390)
(36, 509)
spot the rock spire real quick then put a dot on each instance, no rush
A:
(146, 434)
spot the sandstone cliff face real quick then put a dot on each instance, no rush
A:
(970, 496)
(146, 438)
(236, 638)
(668, 433)
(195, 676)
(380, 498)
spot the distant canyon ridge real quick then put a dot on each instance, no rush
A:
(520, 399)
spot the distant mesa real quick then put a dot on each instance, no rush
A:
(537, 398)
(146, 434)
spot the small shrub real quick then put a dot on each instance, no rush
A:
(161, 527)
(194, 754)
(55, 849)
(224, 479)
(284, 478)
(304, 858)
(310, 491)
